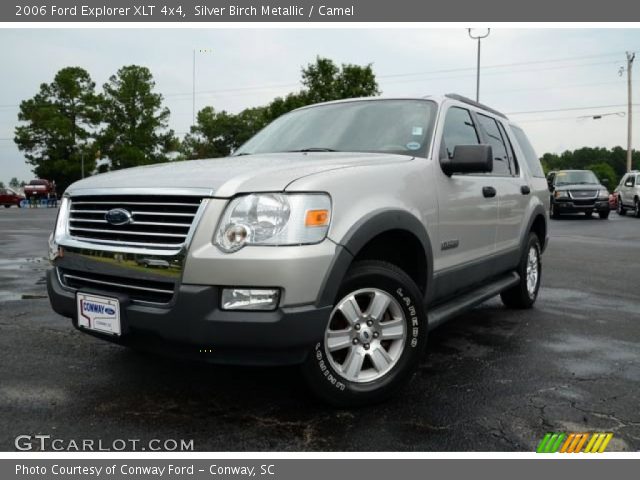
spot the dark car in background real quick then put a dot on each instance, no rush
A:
(10, 197)
(577, 191)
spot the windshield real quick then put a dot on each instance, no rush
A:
(582, 177)
(382, 126)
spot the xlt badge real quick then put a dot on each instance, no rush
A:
(449, 244)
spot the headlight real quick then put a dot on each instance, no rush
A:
(560, 194)
(59, 229)
(274, 219)
(603, 194)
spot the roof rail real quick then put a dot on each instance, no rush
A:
(460, 98)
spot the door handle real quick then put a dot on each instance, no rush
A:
(488, 192)
(525, 190)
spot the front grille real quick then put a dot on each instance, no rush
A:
(137, 290)
(579, 194)
(158, 221)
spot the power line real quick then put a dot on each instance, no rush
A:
(503, 65)
(555, 119)
(570, 109)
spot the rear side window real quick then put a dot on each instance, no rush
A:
(459, 129)
(513, 162)
(529, 153)
(498, 145)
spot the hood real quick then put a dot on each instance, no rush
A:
(225, 177)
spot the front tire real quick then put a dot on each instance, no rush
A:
(636, 208)
(374, 337)
(604, 214)
(554, 212)
(620, 207)
(524, 294)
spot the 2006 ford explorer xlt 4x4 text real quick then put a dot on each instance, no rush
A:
(336, 238)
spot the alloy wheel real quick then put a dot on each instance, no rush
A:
(366, 335)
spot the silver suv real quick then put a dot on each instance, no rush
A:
(336, 238)
(628, 193)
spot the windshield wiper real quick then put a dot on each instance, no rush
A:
(314, 149)
(241, 154)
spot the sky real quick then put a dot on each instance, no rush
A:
(539, 77)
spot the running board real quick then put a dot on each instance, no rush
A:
(456, 306)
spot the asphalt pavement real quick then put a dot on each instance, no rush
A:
(493, 379)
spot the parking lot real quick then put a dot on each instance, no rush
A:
(493, 379)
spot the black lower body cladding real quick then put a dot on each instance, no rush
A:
(193, 326)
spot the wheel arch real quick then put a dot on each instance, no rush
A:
(538, 225)
(365, 240)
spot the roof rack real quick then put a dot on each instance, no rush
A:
(460, 98)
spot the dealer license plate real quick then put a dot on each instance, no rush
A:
(98, 313)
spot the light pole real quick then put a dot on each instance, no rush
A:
(478, 38)
(200, 50)
(630, 58)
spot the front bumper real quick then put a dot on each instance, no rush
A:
(194, 327)
(581, 206)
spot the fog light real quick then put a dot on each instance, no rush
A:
(250, 298)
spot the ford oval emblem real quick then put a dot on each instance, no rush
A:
(118, 216)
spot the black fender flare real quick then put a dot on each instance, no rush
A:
(367, 228)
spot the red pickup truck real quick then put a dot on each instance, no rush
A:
(40, 189)
(8, 197)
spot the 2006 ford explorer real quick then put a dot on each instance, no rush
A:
(335, 238)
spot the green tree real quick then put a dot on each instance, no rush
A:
(14, 183)
(604, 171)
(135, 131)
(2, 185)
(324, 81)
(59, 126)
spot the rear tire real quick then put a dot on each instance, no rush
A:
(374, 339)
(524, 294)
(604, 214)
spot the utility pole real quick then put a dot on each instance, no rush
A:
(630, 57)
(478, 38)
(193, 121)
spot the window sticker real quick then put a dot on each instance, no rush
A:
(416, 131)
(413, 146)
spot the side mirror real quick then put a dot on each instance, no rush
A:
(468, 159)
